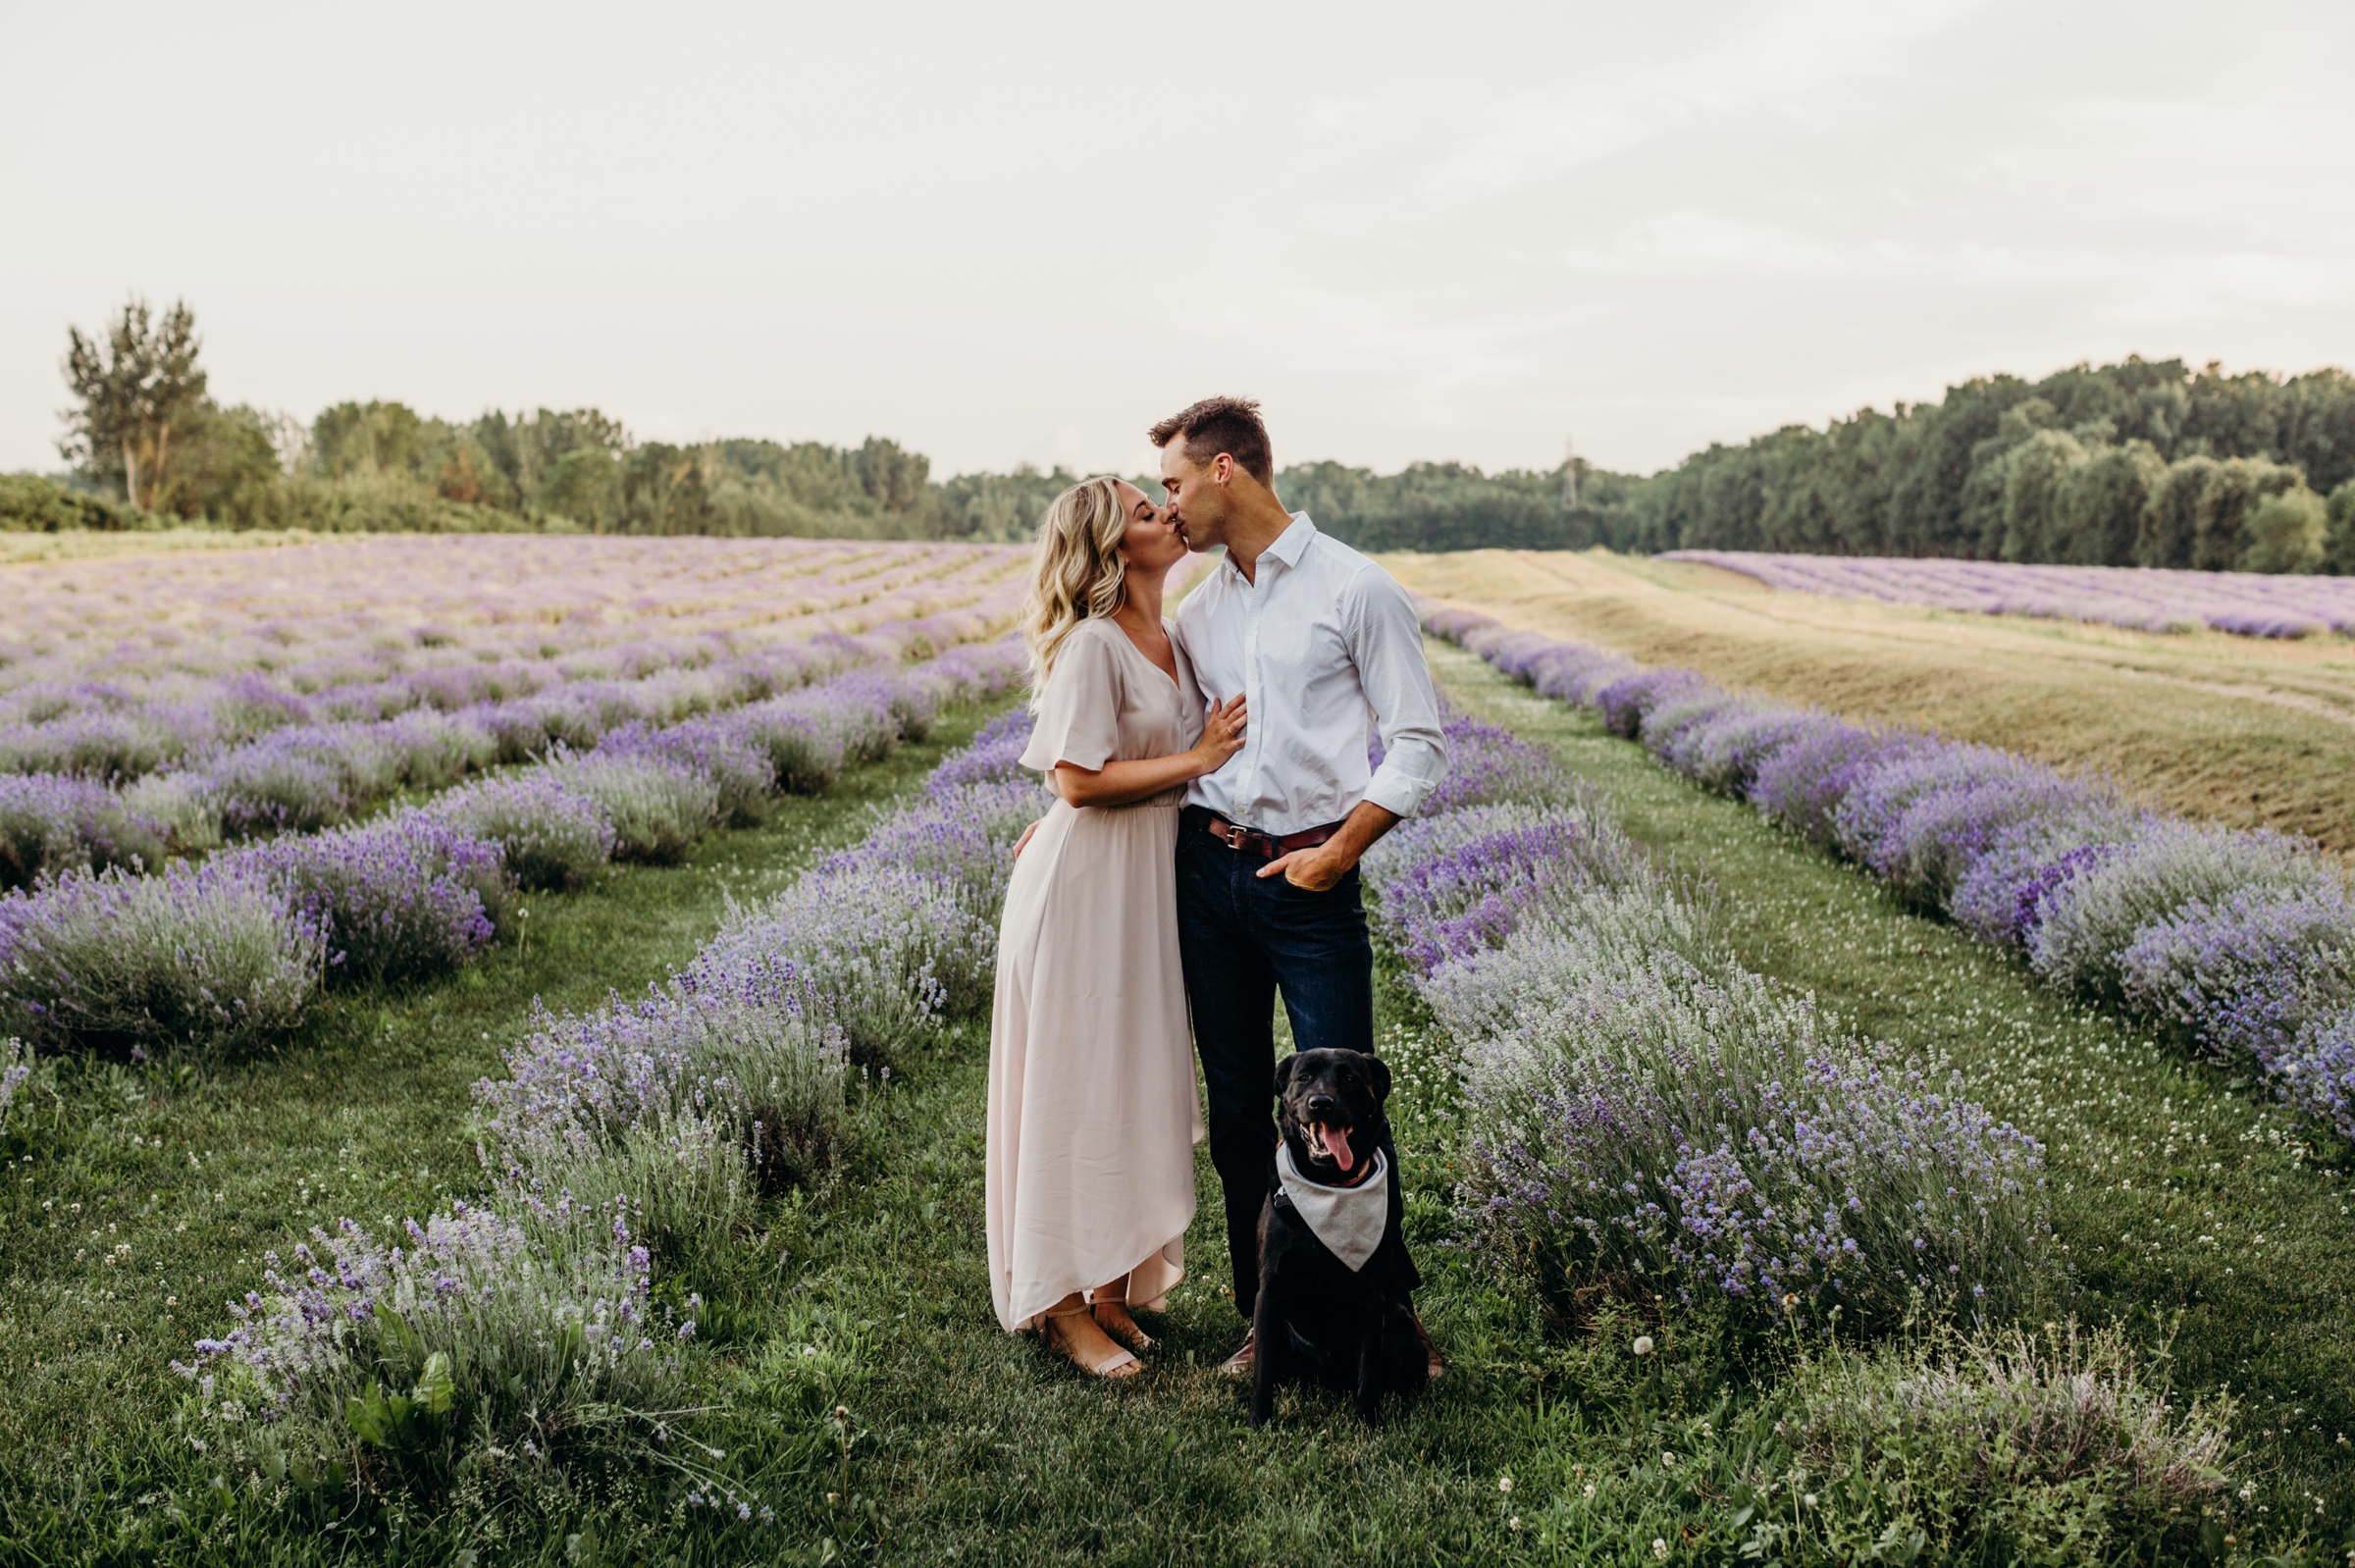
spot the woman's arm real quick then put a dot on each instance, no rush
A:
(1124, 783)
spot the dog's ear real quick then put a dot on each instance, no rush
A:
(1283, 1073)
(1377, 1074)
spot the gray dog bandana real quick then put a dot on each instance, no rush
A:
(1349, 1220)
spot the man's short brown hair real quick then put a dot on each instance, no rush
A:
(1229, 425)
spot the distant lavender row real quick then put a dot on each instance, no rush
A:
(1645, 1113)
(363, 630)
(626, 1143)
(232, 952)
(2146, 599)
(2241, 942)
(304, 691)
(303, 777)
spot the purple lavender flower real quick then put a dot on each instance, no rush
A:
(2146, 599)
(50, 823)
(404, 898)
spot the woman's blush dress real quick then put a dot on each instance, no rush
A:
(1092, 1109)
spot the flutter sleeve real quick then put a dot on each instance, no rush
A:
(1080, 711)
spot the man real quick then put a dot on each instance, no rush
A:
(1319, 639)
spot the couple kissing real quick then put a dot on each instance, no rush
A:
(1215, 794)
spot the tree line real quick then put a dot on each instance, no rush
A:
(2142, 463)
(149, 444)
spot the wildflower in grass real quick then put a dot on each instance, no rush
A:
(15, 1066)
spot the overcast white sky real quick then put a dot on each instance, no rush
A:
(1024, 231)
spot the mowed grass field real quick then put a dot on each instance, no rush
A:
(871, 1395)
(2252, 732)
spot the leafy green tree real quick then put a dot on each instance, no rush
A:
(1001, 508)
(223, 467)
(2288, 532)
(371, 438)
(895, 479)
(2338, 530)
(1987, 473)
(662, 490)
(584, 487)
(2235, 489)
(2036, 474)
(2103, 502)
(2172, 520)
(32, 505)
(132, 388)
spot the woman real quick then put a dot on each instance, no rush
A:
(1092, 1114)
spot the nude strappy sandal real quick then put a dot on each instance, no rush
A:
(1120, 1364)
(1124, 1330)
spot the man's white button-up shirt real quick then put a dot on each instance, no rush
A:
(1327, 647)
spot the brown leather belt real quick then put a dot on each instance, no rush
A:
(1263, 845)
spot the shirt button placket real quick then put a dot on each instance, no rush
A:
(1254, 601)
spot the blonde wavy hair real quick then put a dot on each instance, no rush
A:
(1076, 573)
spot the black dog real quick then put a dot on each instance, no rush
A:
(1318, 1318)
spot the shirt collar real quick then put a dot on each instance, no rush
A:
(1292, 543)
(1289, 545)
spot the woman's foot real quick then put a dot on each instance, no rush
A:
(1112, 1318)
(1075, 1336)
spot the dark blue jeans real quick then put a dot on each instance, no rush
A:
(1243, 939)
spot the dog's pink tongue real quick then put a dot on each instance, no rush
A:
(1336, 1144)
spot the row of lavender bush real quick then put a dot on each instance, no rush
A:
(144, 664)
(2242, 943)
(232, 951)
(1643, 1114)
(2145, 597)
(103, 799)
(623, 1144)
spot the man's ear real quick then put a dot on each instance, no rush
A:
(1283, 1071)
(1378, 1072)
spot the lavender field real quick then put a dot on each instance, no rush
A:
(237, 781)
(2243, 943)
(2144, 598)
(353, 1198)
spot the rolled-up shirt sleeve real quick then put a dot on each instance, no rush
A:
(1387, 644)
